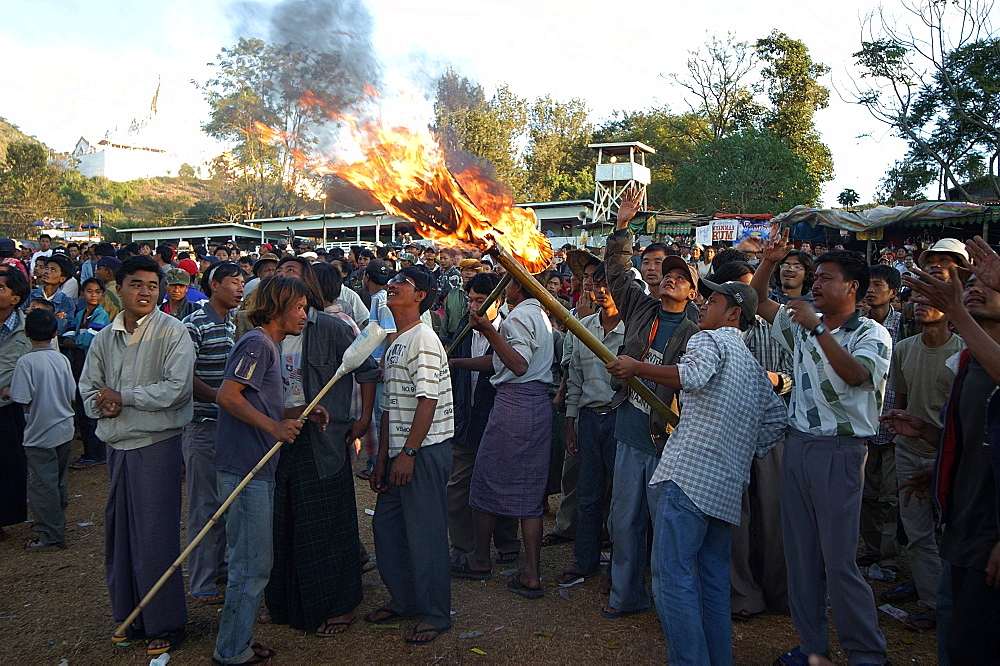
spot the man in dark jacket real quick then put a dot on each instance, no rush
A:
(656, 331)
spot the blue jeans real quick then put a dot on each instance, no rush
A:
(692, 590)
(248, 532)
(596, 450)
(633, 506)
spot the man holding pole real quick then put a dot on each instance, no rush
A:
(656, 332)
(251, 420)
(413, 466)
(136, 382)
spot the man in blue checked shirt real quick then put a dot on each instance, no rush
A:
(730, 415)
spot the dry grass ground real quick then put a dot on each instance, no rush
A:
(55, 607)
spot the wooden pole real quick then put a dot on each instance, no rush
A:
(341, 371)
(494, 295)
(533, 287)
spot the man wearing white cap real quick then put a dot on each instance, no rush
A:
(936, 260)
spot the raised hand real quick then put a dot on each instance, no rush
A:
(940, 295)
(631, 200)
(776, 248)
(985, 263)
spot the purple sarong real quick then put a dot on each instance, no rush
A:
(142, 536)
(512, 465)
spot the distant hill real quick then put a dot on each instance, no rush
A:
(10, 133)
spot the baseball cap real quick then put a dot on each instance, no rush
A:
(310, 255)
(212, 259)
(951, 246)
(744, 295)
(674, 261)
(7, 245)
(379, 272)
(109, 262)
(188, 265)
(178, 276)
(408, 256)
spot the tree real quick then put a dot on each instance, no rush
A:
(747, 172)
(491, 129)
(557, 158)
(287, 88)
(716, 81)
(29, 187)
(936, 86)
(906, 180)
(790, 78)
(848, 198)
(186, 171)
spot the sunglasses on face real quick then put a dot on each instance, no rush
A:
(399, 279)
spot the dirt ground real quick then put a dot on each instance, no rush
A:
(54, 609)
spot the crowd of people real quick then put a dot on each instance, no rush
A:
(820, 403)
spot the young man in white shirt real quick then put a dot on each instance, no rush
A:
(413, 467)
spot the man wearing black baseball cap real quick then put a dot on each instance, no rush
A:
(731, 414)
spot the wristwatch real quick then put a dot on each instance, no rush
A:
(819, 330)
(409, 451)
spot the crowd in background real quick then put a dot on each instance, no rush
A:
(817, 395)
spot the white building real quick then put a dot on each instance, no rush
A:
(122, 161)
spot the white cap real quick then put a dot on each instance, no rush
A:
(947, 246)
(311, 256)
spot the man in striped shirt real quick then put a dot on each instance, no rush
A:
(841, 362)
(214, 334)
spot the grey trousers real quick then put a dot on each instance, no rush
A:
(566, 516)
(208, 560)
(917, 516)
(821, 485)
(47, 491)
(757, 576)
(633, 509)
(411, 539)
(460, 514)
(878, 508)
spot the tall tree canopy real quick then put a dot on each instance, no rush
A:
(29, 187)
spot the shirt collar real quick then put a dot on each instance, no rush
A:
(853, 323)
(12, 321)
(213, 316)
(119, 323)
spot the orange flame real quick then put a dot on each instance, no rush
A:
(405, 170)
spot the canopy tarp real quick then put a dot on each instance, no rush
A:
(932, 212)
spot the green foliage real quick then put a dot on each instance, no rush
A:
(29, 187)
(558, 160)
(791, 79)
(848, 198)
(749, 171)
(186, 171)
(906, 180)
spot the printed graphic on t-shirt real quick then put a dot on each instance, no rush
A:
(652, 357)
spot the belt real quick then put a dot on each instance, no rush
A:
(606, 409)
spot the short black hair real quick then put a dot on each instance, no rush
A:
(601, 272)
(145, 244)
(219, 272)
(366, 253)
(64, 263)
(656, 247)
(42, 302)
(723, 257)
(41, 236)
(731, 272)
(104, 250)
(890, 275)
(331, 282)
(40, 325)
(93, 280)
(482, 283)
(132, 265)
(166, 252)
(852, 265)
(131, 248)
(69, 245)
(17, 282)
(424, 281)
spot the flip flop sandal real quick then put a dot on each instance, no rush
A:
(517, 587)
(173, 639)
(744, 616)
(553, 539)
(921, 623)
(900, 594)
(391, 616)
(462, 569)
(423, 641)
(505, 558)
(614, 615)
(126, 640)
(261, 655)
(211, 599)
(346, 624)
(794, 657)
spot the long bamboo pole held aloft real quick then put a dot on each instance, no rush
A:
(532, 285)
(494, 295)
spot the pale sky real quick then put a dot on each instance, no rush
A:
(81, 67)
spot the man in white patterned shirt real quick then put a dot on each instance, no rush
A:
(731, 415)
(841, 365)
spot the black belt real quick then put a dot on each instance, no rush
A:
(607, 409)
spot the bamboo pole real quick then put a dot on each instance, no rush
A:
(532, 285)
(494, 295)
(370, 337)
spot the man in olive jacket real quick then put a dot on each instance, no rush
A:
(656, 331)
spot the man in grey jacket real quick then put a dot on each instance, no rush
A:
(137, 383)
